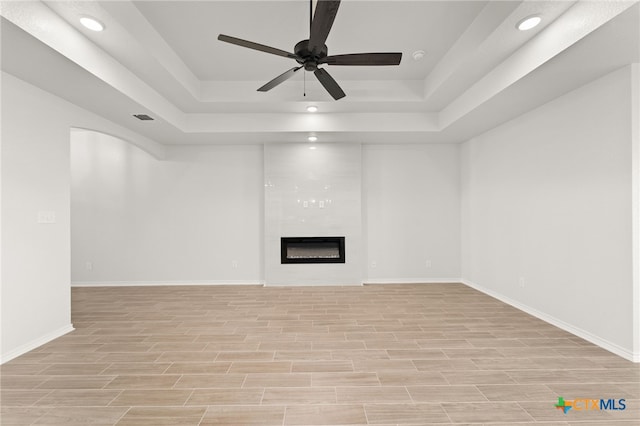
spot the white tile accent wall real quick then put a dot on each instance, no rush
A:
(313, 193)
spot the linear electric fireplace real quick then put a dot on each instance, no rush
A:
(312, 250)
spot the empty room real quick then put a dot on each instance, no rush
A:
(321, 212)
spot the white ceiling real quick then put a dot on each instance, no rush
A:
(163, 58)
(378, 26)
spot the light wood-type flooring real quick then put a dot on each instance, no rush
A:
(379, 354)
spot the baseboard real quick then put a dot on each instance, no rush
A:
(596, 340)
(23, 349)
(411, 281)
(250, 282)
(162, 283)
(304, 284)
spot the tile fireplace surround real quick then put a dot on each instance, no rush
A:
(313, 191)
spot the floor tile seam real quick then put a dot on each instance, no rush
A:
(244, 380)
(113, 399)
(440, 372)
(110, 381)
(173, 387)
(583, 383)
(482, 393)
(122, 416)
(446, 413)
(500, 401)
(284, 416)
(378, 379)
(34, 403)
(526, 411)
(184, 404)
(102, 372)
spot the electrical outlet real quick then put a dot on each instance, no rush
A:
(427, 264)
(234, 264)
(521, 282)
(88, 266)
(46, 216)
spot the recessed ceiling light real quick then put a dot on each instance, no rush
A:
(91, 23)
(312, 108)
(528, 22)
(418, 55)
(312, 138)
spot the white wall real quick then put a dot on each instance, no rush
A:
(412, 213)
(194, 217)
(331, 173)
(187, 219)
(546, 202)
(635, 197)
(35, 290)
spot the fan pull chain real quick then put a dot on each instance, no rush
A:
(304, 75)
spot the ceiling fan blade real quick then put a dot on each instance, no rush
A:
(329, 83)
(279, 79)
(323, 18)
(363, 59)
(256, 46)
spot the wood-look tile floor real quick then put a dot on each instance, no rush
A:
(385, 355)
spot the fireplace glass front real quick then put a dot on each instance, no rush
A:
(312, 250)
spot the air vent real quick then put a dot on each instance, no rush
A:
(143, 117)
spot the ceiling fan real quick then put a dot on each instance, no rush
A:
(313, 52)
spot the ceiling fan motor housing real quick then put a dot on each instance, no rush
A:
(308, 58)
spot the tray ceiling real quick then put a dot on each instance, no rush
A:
(162, 58)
